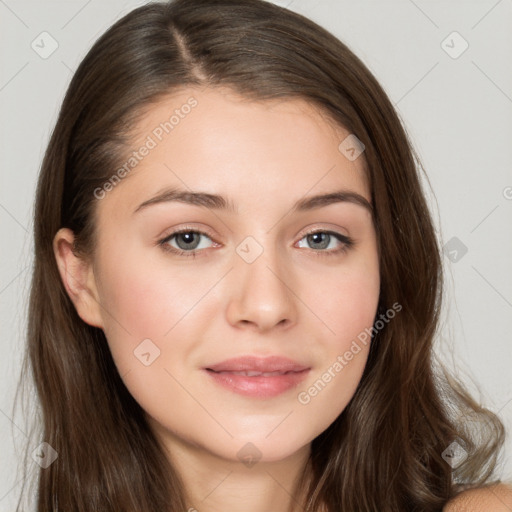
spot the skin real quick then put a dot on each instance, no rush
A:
(497, 498)
(294, 300)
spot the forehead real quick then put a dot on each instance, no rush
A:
(220, 142)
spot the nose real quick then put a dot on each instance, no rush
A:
(261, 293)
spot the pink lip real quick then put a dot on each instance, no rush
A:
(258, 364)
(288, 375)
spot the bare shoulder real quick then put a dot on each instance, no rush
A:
(495, 498)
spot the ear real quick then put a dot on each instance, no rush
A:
(78, 278)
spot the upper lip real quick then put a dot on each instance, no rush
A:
(258, 364)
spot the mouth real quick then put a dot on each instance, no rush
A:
(257, 377)
(258, 365)
(255, 373)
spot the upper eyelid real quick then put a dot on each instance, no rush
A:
(313, 226)
(187, 230)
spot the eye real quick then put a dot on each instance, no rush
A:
(322, 239)
(189, 242)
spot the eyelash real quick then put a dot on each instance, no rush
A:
(347, 242)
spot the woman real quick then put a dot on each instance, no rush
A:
(281, 361)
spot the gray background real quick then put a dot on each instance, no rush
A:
(456, 107)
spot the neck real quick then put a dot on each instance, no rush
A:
(214, 484)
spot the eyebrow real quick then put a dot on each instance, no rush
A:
(217, 202)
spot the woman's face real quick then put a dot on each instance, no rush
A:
(250, 280)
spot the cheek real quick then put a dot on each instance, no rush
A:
(345, 300)
(347, 305)
(139, 301)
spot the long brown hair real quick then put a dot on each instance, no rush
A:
(385, 450)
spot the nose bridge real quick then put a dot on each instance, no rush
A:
(260, 288)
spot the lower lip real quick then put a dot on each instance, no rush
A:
(260, 387)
